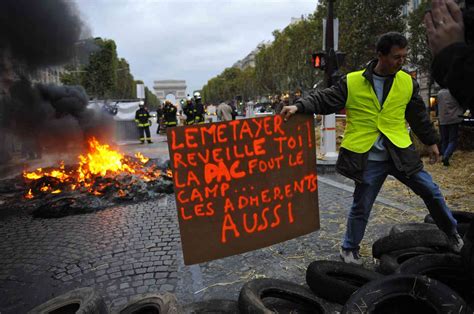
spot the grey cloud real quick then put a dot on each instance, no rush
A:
(191, 40)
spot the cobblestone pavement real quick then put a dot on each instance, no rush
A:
(128, 250)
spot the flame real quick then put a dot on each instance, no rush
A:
(142, 158)
(99, 162)
(29, 195)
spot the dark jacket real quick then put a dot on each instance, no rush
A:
(199, 111)
(453, 67)
(351, 164)
(142, 117)
(169, 113)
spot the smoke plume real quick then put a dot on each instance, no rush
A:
(35, 34)
(39, 33)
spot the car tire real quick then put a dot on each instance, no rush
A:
(81, 300)
(409, 239)
(337, 281)
(446, 268)
(151, 303)
(405, 294)
(390, 262)
(253, 292)
(212, 306)
(412, 226)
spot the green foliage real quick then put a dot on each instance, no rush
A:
(284, 66)
(125, 87)
(361, 23)
(151, 100)
(106, 76)
(419, 53)
(101, 72)
(72, 76)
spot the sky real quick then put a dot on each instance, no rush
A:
(192, 40)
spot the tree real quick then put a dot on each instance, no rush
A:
(361, 23)
(101, 72)
(419, 53)
(125, 86)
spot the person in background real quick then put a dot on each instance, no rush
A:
(450, 116)
(379, 101)
(169, 114)
(159, 118)
(234, 109)
(453, 54)
(142, 118)
(224, 112)
(285, 101)
(189, 111)
(199, 111)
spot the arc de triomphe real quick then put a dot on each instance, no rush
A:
(167, 87)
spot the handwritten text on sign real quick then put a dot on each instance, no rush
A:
(243, 184)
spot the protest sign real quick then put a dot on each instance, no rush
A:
(242, 185)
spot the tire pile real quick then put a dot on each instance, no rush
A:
(416, 273)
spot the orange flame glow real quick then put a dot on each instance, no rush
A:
(100, 161)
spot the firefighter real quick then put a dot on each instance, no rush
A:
(198, 109)
(189, 110)
(169, 114)
(142, 118)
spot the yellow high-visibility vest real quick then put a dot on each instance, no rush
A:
(366, 118)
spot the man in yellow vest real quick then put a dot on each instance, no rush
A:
(378, 102)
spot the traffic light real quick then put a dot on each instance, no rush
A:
(318, 60)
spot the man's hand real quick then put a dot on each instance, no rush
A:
(434, 153)
(288, 111)
(444, 25)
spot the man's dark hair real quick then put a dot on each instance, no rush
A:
(388, 40)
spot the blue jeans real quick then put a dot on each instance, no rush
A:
(365, 193)
(449, 139)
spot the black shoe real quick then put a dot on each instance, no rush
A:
(150, 142)
(445, 162)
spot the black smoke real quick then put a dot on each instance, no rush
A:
(39, 32)
(54, 117)
(35, 34)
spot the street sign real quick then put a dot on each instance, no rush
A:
(244, 184)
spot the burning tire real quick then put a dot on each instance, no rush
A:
(212, 306)
(253, 294)
(82, 300)
(446, 268)
(151, 303)
(405, 294)
(337, 281)
(413, 226)
(409, 239)
(390, 262)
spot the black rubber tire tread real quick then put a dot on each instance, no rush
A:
(460, 216)
(409, 239)
(87, 298)
(411, 226)
(467, 251)
(163, 302)
(212, 306)
(389, 263)
(394, 291)
(253, 292)
(336, 281)
(447, 268)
